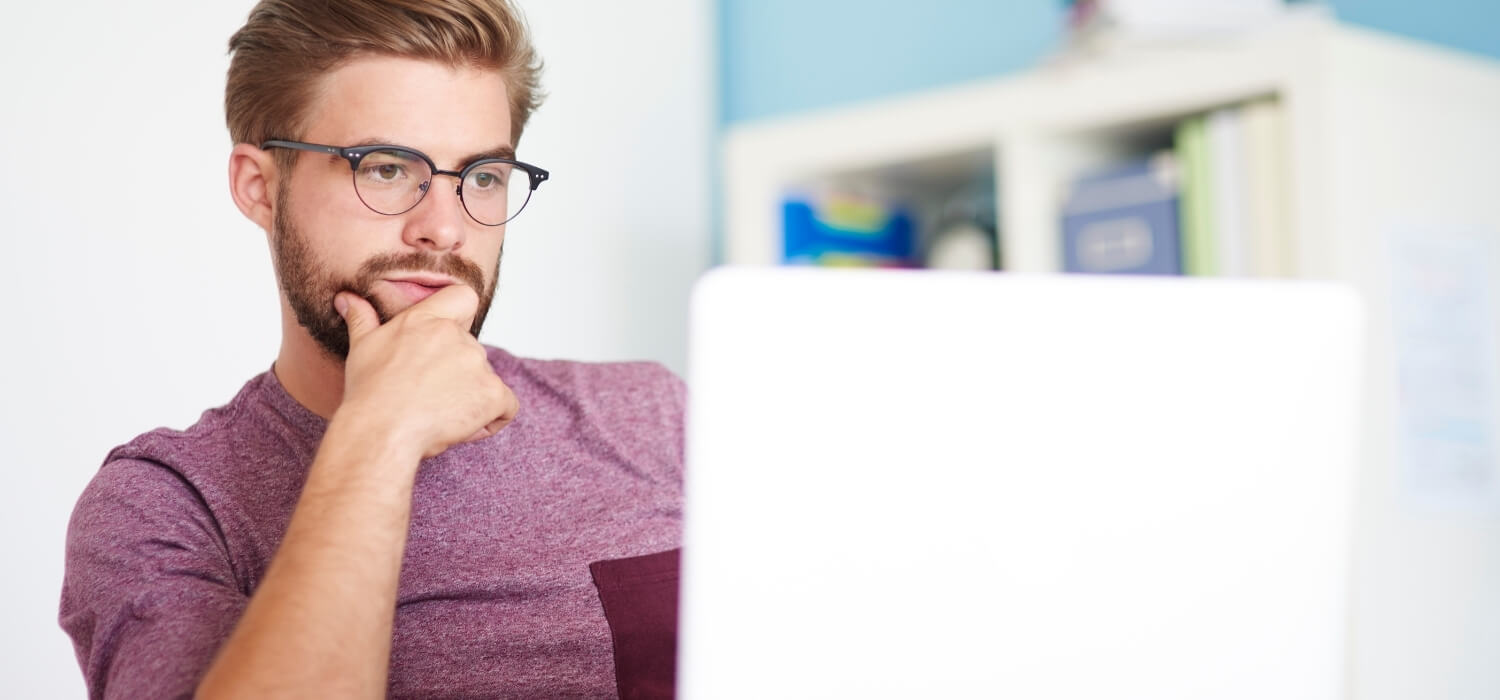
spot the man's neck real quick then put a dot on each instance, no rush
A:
(308, 374)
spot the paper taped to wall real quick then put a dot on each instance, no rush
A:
(1444, 303)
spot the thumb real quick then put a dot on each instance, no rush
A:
(358, 315)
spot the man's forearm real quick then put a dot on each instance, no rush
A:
(320, 623)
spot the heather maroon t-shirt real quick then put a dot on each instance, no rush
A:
(496, 597)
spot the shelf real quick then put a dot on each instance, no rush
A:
(1383, 137)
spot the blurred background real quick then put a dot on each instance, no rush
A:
(1352, 140)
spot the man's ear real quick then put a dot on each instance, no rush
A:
(252, 174)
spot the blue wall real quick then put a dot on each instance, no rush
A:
(785, 56)
(1469, 25)
(782, 56)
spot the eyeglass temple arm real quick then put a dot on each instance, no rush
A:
(312, 147)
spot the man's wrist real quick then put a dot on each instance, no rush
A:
(372, 439)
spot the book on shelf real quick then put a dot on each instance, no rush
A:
(1234, 200)
(1228, 191)
(1272, 248)
(1190, 143)
(1232, 217)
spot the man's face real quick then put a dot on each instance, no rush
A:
(325, 240)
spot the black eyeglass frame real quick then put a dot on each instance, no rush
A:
(355, 154)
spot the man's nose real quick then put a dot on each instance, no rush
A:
(438, 222)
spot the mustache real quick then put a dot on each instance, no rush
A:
(374, 269)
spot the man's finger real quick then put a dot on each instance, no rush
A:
(458, 302)
(487, 431)
(509, 407)
(358, 315)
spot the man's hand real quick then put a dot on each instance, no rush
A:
(422, 375)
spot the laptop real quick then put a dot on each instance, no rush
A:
(932, 484)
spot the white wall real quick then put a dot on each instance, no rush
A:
(138, 297)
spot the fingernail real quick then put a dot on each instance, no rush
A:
(341, 303)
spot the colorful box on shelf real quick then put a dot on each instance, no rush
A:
(846, 231)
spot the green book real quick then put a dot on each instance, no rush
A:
(1199, 258)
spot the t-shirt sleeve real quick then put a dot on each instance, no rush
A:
(149, 592)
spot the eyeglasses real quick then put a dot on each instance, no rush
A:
(391, 180)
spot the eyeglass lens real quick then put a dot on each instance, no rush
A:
(393, 181)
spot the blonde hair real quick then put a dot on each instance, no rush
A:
(285, 46)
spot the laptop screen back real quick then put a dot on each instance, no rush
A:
(915, 484)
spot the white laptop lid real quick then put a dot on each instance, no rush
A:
(918, 484)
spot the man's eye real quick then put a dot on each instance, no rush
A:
(489, 177)
(384, 172)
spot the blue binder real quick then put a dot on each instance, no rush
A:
(1124, 221)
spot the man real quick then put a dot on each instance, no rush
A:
(393, 508)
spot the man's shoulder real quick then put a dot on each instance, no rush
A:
(644, 399)
(214, 428)
(636, 377)
(157, 478)
(226, 477)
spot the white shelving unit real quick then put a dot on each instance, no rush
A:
(1385, 138)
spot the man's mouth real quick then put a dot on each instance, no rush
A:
(419, 287)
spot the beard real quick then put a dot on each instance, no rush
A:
(310, 287)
